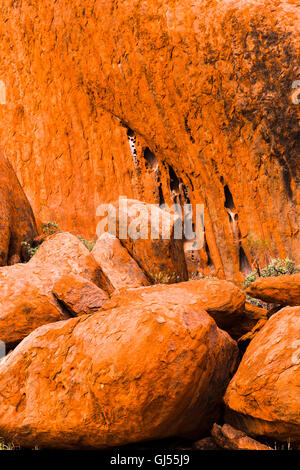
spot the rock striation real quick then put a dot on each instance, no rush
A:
(163, 102)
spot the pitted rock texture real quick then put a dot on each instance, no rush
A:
(220, 299)
(17, 223)
(26, 298)
(160, 100)
(116, 377)
(263, 397)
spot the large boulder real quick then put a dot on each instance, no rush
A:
(116, 377)
(17, 223)
(26, 299)
(149, 234)
(284, 290)
(119, 267)
(221, 299)
(264, 395)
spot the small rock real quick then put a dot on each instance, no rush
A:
(230, 438)
(78, 295)
(116, 263)
(206, 444)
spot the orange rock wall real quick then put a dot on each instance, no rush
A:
(204, 87)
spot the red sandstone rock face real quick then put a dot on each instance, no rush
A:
(26, 299)
(264, 395)
(284, 290)
(17, 222)
(116, 377)
(205, 89)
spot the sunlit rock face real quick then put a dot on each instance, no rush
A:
(162, 101)
(17, 223)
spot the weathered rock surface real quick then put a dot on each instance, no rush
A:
(17, 222)
(230, 438)
(116, 377)
(264, 395)
(26, 299)
(119, 267)
(198, 87)
(284, 290)
(148, 233)
(220, 299)
(78, 295)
